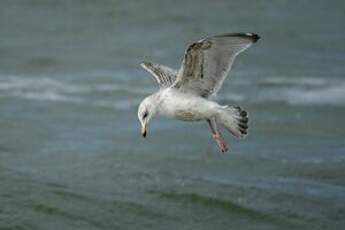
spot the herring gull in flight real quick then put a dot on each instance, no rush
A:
(188, 93)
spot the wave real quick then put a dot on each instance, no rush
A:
(100, 93)
(301, 81)
(304, 91)
(211, 202)
(47, 96)
(118, 105)
(15, 83)
(292, 186)
(118, 94)
(64, 86)
(332, 95)
(124, 104)
(293, 91)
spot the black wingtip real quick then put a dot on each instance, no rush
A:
(253, 36)
(256, 37)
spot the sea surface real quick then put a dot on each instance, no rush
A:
(71, 154)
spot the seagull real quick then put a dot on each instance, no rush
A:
(188, 94)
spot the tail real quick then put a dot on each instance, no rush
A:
(235, 120)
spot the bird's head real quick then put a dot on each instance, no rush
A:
(147, 109)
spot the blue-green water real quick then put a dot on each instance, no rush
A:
(71, 154)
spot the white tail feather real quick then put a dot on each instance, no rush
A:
(234, 120)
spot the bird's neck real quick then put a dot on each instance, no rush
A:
(155, 101)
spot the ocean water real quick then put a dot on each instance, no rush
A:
(71, 154)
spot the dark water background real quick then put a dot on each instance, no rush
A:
(71, 156)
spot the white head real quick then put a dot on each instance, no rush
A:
(147, 109)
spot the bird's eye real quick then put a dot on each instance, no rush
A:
(145, 115)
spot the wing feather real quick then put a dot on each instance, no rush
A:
(207, 62)
(165, 76)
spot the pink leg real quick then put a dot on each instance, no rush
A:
(217, 135)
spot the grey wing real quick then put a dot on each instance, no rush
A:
(207, 62)
(165, 76)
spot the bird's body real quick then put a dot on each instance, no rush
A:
(184, 106)
(186, 94)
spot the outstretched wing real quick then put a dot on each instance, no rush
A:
(165, 76)
(207, 62)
